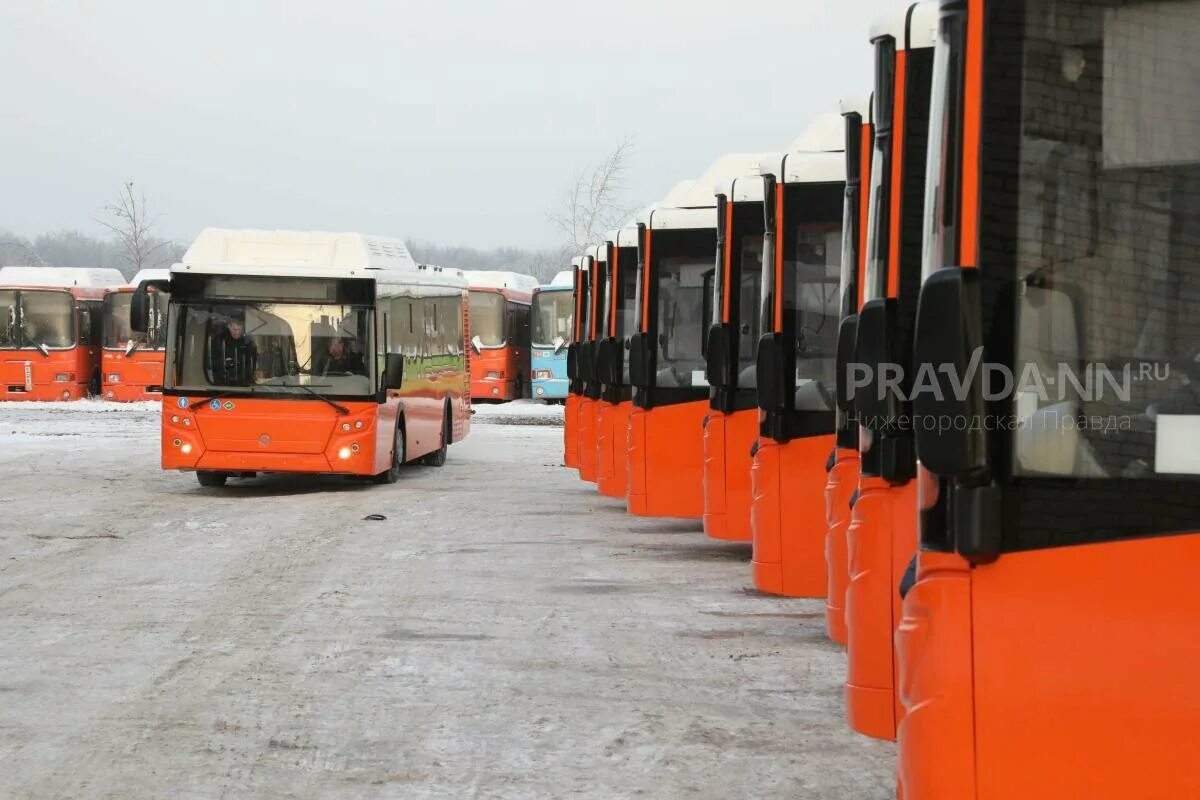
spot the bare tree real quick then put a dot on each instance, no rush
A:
(133, 226)
(592, 205)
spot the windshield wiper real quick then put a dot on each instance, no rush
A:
(341, 409)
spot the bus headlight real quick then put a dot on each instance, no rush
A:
(114, 378)
(345, 426)
(65, 377)
(344, 453)
(187, 448)
(541, 391)
(493, 375)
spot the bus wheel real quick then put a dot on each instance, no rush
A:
(399, 456)
(438, 457)
(211, 480)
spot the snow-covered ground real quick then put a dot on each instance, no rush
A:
(518, 412)
(504, 633)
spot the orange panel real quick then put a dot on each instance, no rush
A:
(615, 450)
(35, 377)
(936, 743)
(1085, 671)
(880, 542)
(843, 480)
(666, 445)
(788, 516)
(571, 431)
(604, 451)
(730, 477)
(715, 524)
(587, 439)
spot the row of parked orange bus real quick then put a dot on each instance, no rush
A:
(64, 335)
(938, 362)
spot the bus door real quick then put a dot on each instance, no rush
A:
(1049, 644)
(795, 363)
(666, 369)
(881, 538)
(843, 464)
(574, 378)
(731, 425)
(613, 367)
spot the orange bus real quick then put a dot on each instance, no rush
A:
(843, 465)
(677, 244)
(132, 363)
(309, 353)
(881, 538)
(500, 335)
(50, 327)
(1049, 644)
(732, 425)
(794, 364)
(589, 409)
(574, 400)
(612, 367)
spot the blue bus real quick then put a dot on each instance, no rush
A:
(553, 309)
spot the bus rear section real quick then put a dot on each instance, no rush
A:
(500, 334)
(343, 357)
(50, 329)
(612, 366)
(843, 464)
(550, 333)
(1049, 643)
(132, 363)
(794, 364)
(881, 538)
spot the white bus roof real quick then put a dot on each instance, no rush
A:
(310, 254)
(562, 280)
(597, 252)
(825, 134)
(501, 279)
(62, 277)
(624, 237)
(577, 261)
(858, 105)
(806, 167)
(157, 274)
(919, 34)
(695, 206)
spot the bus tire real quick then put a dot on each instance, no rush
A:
(438, 457)
(399, 457)
(211, 480)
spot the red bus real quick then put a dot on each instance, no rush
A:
(309, 353)
(132, 363)
(1049, 644)
(844, 460)
(612, 367)
(881, 538)
(667, 354)
(500, 336)
(596, 262)
(50, 327)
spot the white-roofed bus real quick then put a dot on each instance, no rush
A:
(1048, 647)
(331, 353)
(551, 317)
(50, 329)
(132, 363)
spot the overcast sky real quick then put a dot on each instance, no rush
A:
(446, 120)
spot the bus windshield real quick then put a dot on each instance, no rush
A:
(487, 318)
(552, 312)
(32, 318)
(290, 348)
(117, 333)
(684, 292)
(1104, 232)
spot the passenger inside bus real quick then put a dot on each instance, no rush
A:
(232, 357)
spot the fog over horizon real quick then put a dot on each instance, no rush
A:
(453, 123)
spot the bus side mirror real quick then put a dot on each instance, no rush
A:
(573, 361)
(558, 344)
(477, 343)
(139, 310)
(873, 363)
(640, 370)
(773, 373)
(948, 424)
(393, 372)
(847, 336)
(716, 362)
